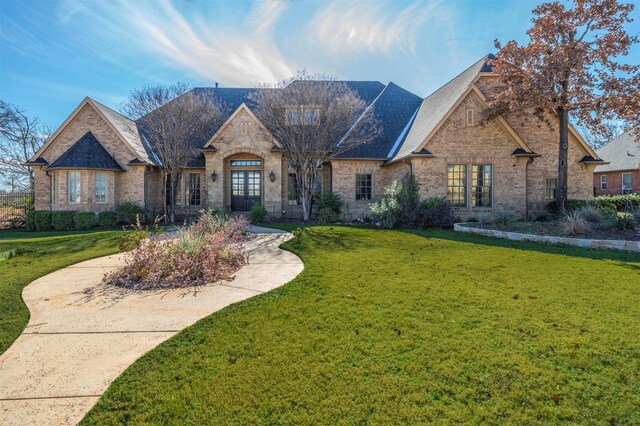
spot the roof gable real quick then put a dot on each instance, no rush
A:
(622, 153)
(86, 153)
(124, 128)
(242, 108)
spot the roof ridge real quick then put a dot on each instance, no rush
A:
(484, 59)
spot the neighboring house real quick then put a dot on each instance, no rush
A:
(622, 174)
(98, 159)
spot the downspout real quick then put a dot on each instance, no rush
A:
(48, 173)
(526, 188)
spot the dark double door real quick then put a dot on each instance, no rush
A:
(246, 187)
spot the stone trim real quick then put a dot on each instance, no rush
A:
(633, 246)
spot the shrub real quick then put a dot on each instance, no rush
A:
(504, 217)
(62, 220)
(128, 211)
(621, 202)
(574, 224)
(625, 221)
(591, 213)
(138, 233)
(84, 220)
(399, 205)
(107, 219)
(328, 215)
(42, 220)
(436, 213)
(31, 220)
(606, 206)
(258, 213)
(206, 252)
(570, 206)
(330, 200)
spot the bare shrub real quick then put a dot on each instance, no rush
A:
(208, 251)
(574, 224)
(591, 213)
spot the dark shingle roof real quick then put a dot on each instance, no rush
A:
(86, 153)
(394, 108)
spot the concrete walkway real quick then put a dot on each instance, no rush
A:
(82, 335)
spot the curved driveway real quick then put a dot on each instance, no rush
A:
(81, 335)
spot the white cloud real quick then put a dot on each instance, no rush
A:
(208, 50)
(363, 25)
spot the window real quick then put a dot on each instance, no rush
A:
(101, 188)
(471, 117)
(603, 182)
(73, 187)
(192, 189)
(294, 190)
(245, 128)
(551, 186)
(246, 163)
(457, 185)
(303, 116)
(627, 184)
(481, 185)
(363, 187)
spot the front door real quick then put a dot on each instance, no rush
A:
(246, 186)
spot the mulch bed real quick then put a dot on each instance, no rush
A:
(553, 228)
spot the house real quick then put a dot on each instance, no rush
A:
(98, 157)
(622, 174)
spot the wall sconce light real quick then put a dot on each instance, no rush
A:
(214, 176)
(272, 177)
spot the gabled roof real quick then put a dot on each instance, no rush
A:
(622, 153)
(124, 128)
(242, 107)
(86, 154)
(435, 108)
(393, 107)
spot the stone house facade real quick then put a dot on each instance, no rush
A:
(98, 159)
(622, 174)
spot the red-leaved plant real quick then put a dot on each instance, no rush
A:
(208, 251)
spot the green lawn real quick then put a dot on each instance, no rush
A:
(39, 254)
(388, 327)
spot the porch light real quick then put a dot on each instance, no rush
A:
(214, 176)
(272, 177)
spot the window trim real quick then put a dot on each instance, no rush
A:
(603, 182)
(470, 117)
(187, 189)
(465, 181)
(369, 187)
(623, 188)
(245, 163)
(78, 187)
(471, 193)
(95, 188)
(546, 188)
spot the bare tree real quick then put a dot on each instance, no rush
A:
(21, 137)
(314, 118)
(174, 121)
(611, 129)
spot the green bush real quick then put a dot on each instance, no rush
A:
(327, 215)
(127, 212)
(84, 220)
(330, 200)
(571, 206)
(258, 213)
(503, 217)
(622, 203)
(435, 213)
(107, 219)
(62, 220)
(399, 205)
(42, 220)
(625, 221)
(31, 220)
(606, 206)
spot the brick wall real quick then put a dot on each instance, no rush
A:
(614, 182)
(124, 186)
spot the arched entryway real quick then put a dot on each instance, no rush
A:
(245, 181)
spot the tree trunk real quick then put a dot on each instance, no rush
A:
(164, 196)
(563, 150)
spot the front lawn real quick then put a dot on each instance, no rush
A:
(40, 253)
(388, 327)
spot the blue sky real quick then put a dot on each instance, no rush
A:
(54, 53)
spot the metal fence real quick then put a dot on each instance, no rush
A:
(14, 207)
(290, 212)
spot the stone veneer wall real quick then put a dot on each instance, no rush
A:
(242, 137)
